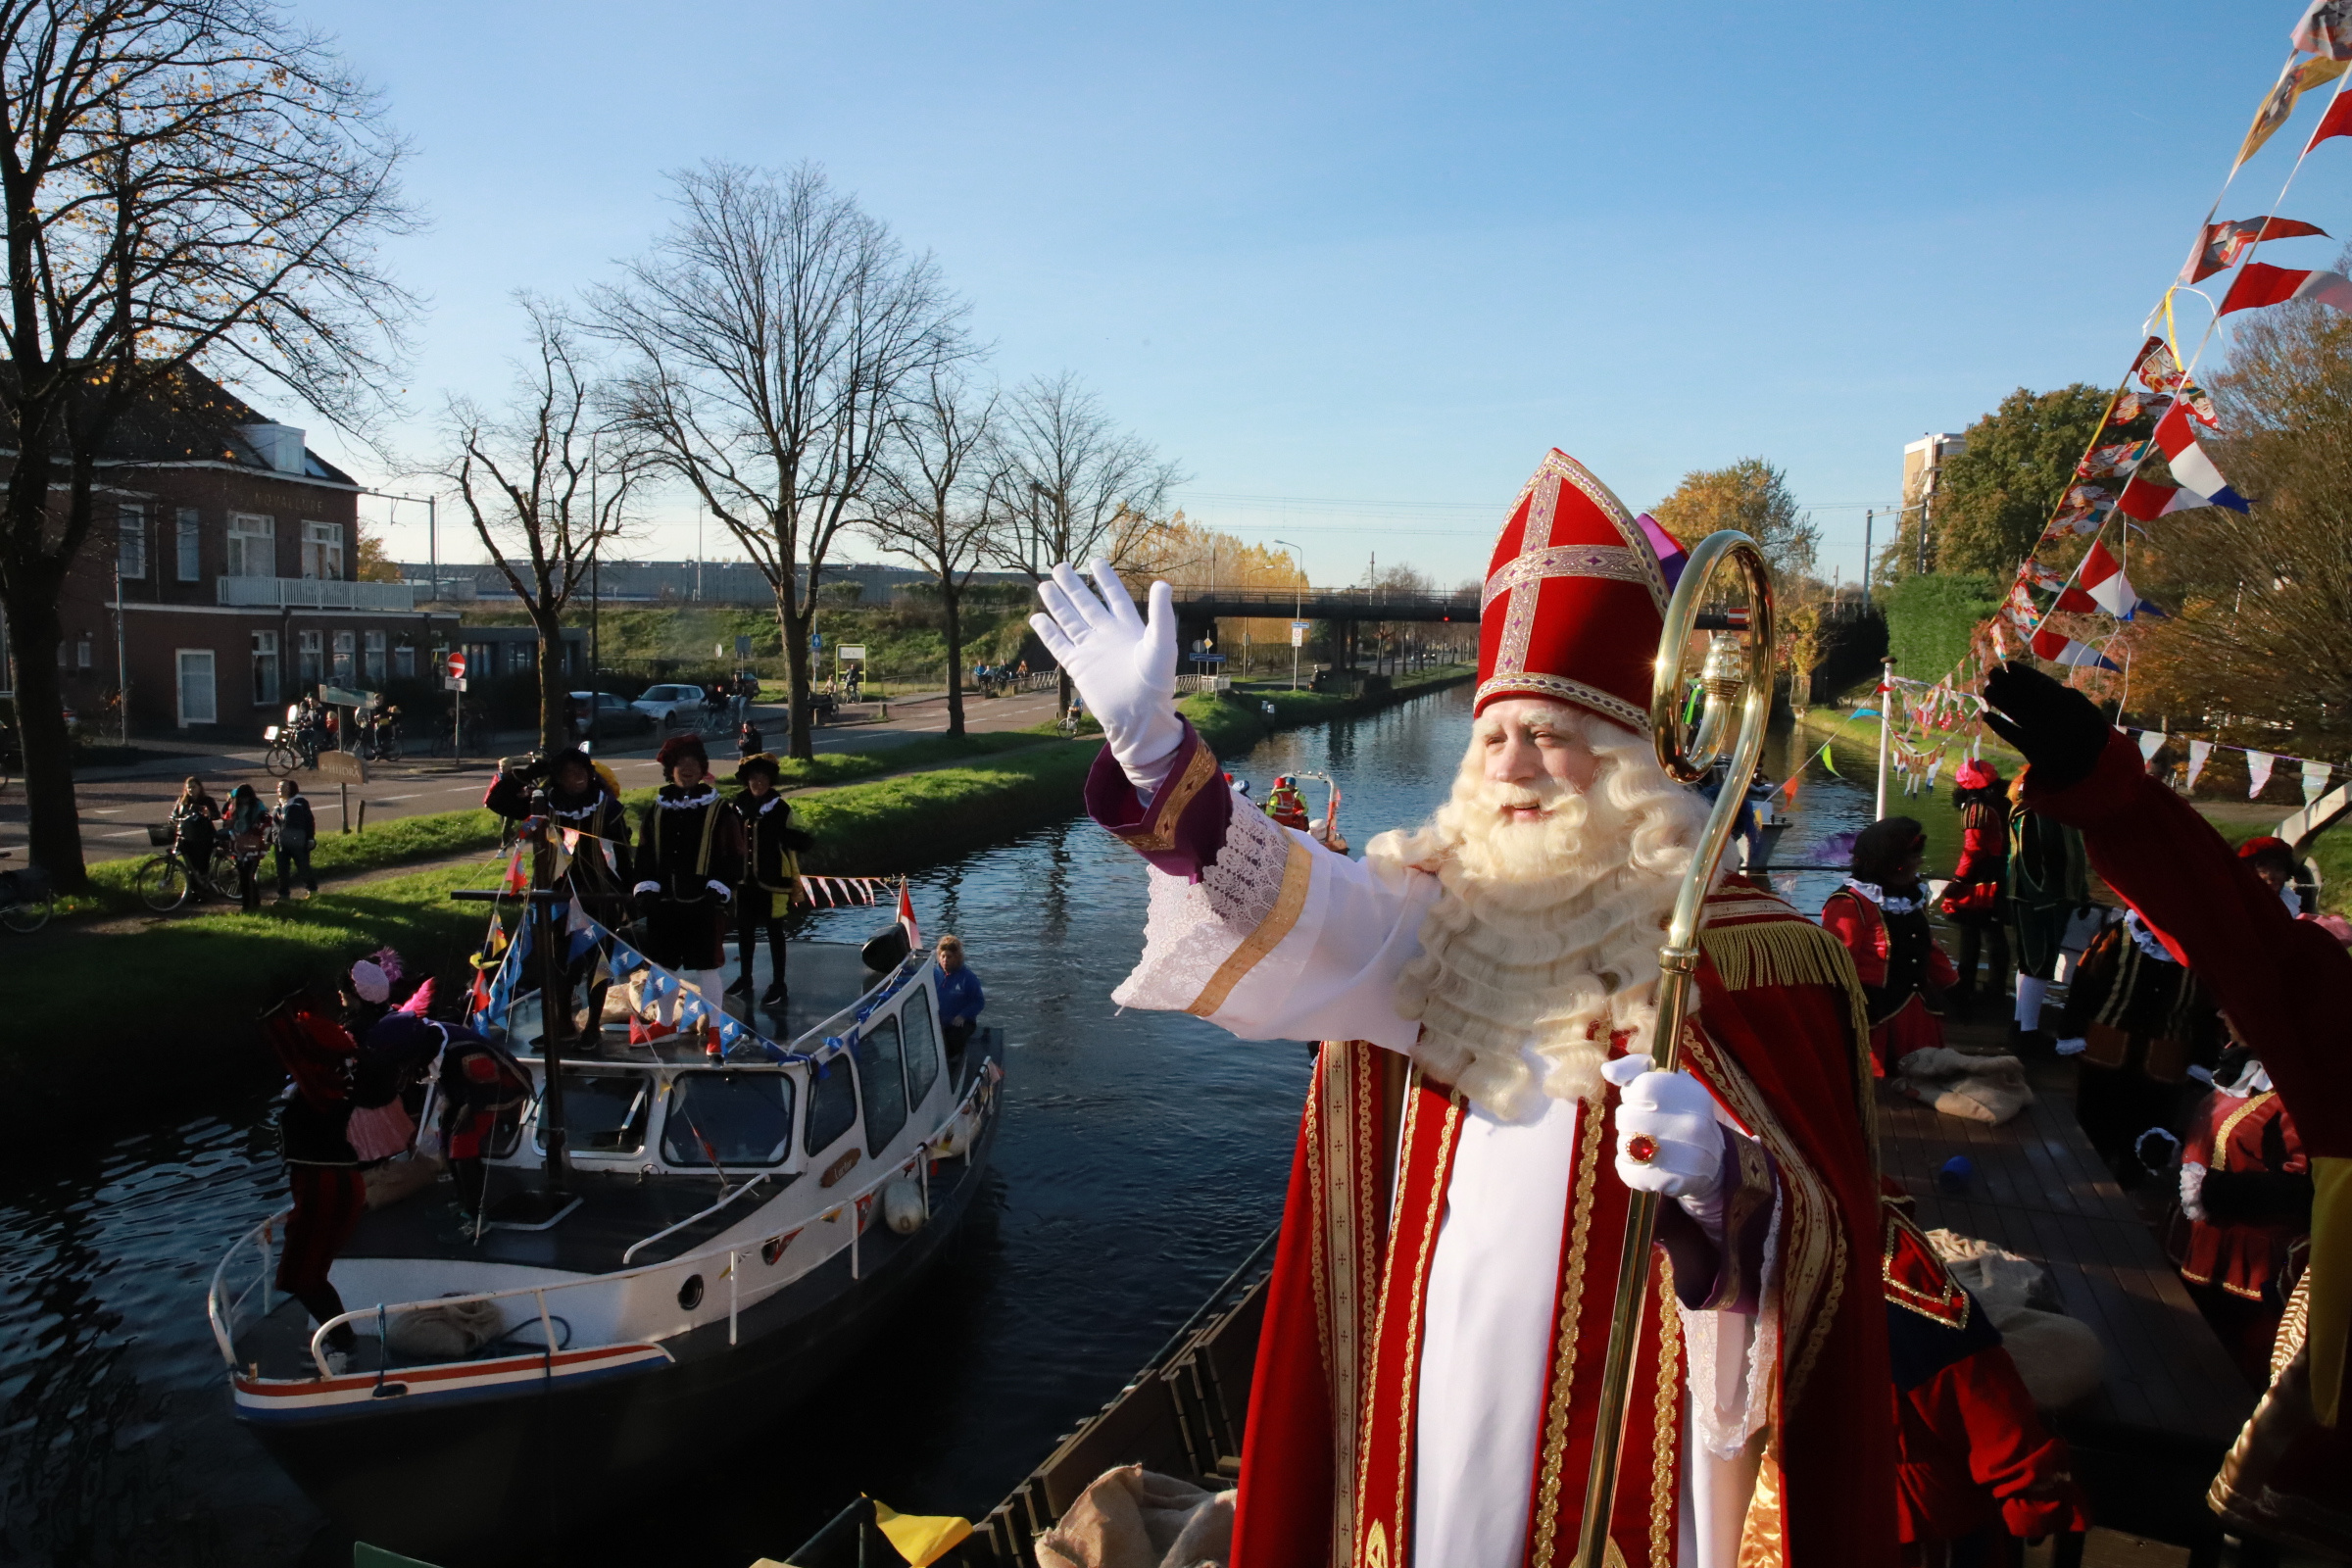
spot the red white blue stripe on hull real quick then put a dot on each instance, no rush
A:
(280, 1402)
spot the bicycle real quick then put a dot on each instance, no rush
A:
(24, 897)
(165, 882)
(477, 740)
(289, 749)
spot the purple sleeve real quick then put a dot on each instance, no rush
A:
(1181, 828)
(1718, 1252)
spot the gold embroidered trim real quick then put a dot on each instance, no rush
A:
(1337, 1111)
(1949, 1306)
(1531, 569)
(1365, 1523)
(1287, 906)
(1420, 1299)
(1158, 836)
(2220, 1137)
(1572, 1302)
(1526, 683)
(1665, 1429)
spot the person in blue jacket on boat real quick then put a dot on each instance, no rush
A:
(960, 997)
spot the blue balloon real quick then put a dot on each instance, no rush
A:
(1957, 1173)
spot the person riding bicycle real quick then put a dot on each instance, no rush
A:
(306, 726)
(715, 704)
(192, 834)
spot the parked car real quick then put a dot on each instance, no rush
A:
(674, 707)
(614, 715)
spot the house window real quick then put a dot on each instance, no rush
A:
(305, 659)
(252, 544)
(404, 663)
(196, 705)
(322, 551)
(191, 545)
(343, 661)
(374, 646)
(130, 533)
(264, 669)
(81, 653)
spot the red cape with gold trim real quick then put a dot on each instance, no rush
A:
(1779, 1005)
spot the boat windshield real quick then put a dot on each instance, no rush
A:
(738, 1118)
(604, 1112)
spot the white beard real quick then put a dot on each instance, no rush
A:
(1545, 941)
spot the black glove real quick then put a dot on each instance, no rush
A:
(2060, 731)
(799, 840)
(2256, 1197)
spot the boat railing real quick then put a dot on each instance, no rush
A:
(223, 1311)
(918, 1162)
(732, 1194)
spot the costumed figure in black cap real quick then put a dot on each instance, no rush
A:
(773, 841)
(589, 833)
(689, 863)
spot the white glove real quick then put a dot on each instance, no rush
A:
(646, 887)
(1123, 666)
(1674, 1112)
(2074, 1046)
(726, 894)
(2192, 1190)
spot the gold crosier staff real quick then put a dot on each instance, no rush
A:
(1723, 682)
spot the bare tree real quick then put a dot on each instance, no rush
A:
(1073, 486)
(541, 491)
(937, 501)
(188, 184)
(774, 335)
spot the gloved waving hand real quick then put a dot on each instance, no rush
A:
(1668, 1140)
(2060, 731)
(1124, 666)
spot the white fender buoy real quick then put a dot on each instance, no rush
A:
(903, 1205)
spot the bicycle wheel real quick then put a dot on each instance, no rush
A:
(163, 883)
(25, 914)
(280, 760)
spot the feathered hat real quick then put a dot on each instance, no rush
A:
(1975, 774)
(760, 762)
(1574, 600)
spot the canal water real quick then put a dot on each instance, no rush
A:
(1140, 1157)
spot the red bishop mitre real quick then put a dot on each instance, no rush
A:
(1574, 600)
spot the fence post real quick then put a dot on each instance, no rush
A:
(344, 792)
(363, 818)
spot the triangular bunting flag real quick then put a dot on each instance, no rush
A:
(2151, 741)
(2199, 752)
(2315, 781)
(2060, 648)
(2258, 770)
(2104, 581)
(2189, 464)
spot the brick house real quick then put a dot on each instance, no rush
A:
(231, 549)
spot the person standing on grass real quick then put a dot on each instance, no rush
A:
(297, 832)
(247, 823)
(960, 997)
(193, 816)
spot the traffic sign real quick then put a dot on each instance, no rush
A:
(457, 666)
(1297, 634)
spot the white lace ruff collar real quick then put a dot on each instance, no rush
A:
(708, 795)
(2145, 939)
(1887, 901)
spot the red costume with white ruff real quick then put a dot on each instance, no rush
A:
(1429, 1371)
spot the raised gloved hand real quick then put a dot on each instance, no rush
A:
(1124, 666)
(1668, 1140)
(2058, 729)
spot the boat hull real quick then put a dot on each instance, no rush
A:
(531, 1447)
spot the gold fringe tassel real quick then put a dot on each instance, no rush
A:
(1796, 952)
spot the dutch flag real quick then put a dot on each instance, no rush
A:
(2104, 581)
(2189, 465)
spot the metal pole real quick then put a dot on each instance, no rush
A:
(1869, 519)
(1298, 604)
(595, 604)
(122, 663)
(432, 543)
(1885, 732)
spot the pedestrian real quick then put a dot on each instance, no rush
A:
(1881, 914)
(689, 863)
(247, 824)
(747, 742)
(297, 832)
(959, 996)
(1975, 902)
(2049, 880)
(2139, 1020)
(771, 873)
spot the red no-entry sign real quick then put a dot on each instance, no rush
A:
(457, 666)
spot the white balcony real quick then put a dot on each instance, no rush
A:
(316, 593)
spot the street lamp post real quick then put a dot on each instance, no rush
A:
(1298, 604)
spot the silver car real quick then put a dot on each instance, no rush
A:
(671, 707)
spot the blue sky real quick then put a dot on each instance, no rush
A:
(1355, 268)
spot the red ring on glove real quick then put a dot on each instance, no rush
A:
(1641, 1149)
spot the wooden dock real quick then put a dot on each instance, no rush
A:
(2148, 1441)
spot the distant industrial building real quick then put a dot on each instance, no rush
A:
(677, 582)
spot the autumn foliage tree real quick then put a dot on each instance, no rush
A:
(1751, 496)
(2261, 626)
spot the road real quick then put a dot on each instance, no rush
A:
(117, 803)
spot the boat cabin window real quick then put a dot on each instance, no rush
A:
(922, 1045)
(743, 1118)
(832, 1106)
(603, 1113)
(880, 1078)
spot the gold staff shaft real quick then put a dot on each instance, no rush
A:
(1678, 960)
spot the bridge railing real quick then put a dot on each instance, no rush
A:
(1331, 604)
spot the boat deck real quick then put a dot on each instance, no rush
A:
(2148, 1440)
(826, 978)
